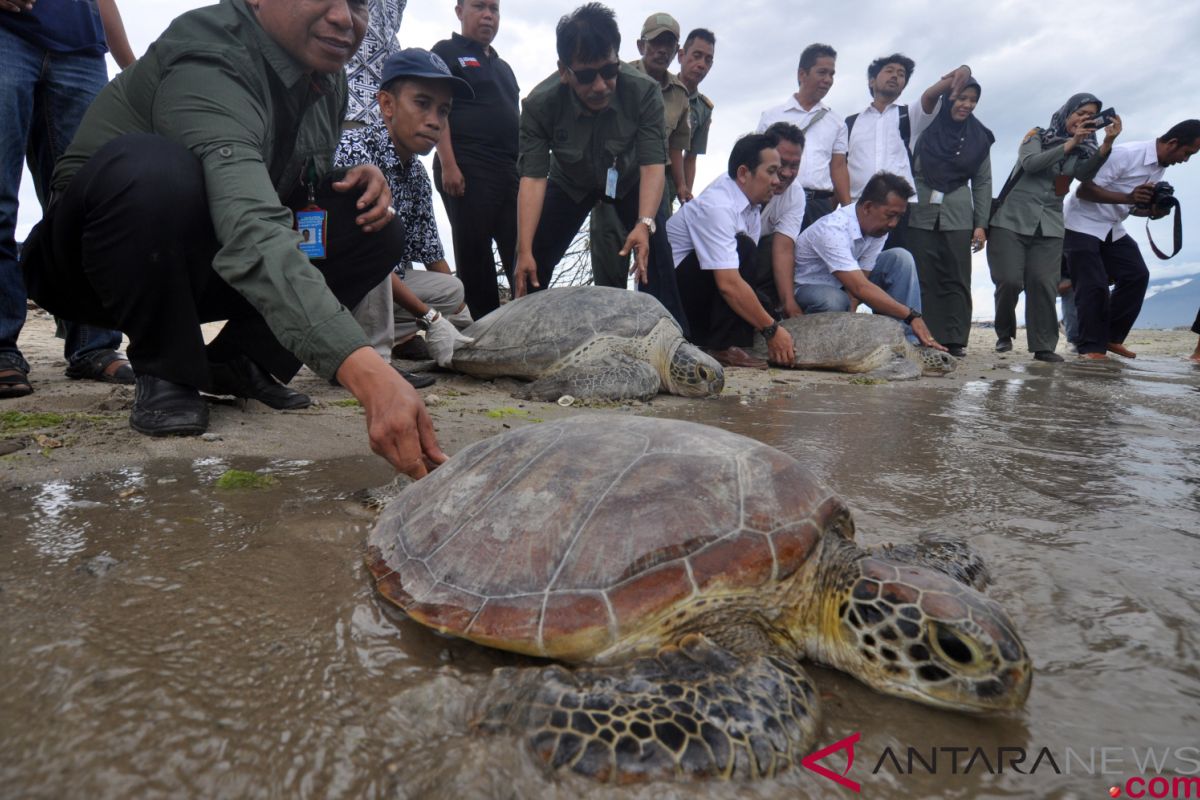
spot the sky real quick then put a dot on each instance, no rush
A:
(1028, 55)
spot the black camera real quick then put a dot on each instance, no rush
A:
(1162, 201)
(1103, 119)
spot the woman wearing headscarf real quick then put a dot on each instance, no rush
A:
(1026, 235)
(949, 219)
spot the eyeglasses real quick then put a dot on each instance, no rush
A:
(587, 77)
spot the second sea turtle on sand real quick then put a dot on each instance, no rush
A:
(684, 572)
(591, 342)
(860, 343)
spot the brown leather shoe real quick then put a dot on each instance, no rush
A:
(737, 357)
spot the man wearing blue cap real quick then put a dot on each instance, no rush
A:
(416, 91)
(183, 198)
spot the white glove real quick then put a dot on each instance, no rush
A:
(442, 337)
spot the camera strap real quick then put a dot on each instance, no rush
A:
(1178, 237)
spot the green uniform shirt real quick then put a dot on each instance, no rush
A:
(1032, 202)
(964, 209)
(575, 148)
(700, 110)
(675, 109)
(216, 83)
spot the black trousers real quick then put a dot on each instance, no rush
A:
(714, 324)
(816, 205)
(129, 245)
(486, 212)
(1105, 316)
(1196, 324)
(561, 220)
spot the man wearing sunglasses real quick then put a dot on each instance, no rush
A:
(593, 131)
(658, 44)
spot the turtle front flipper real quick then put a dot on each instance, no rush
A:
(946, 554)
(693, 710)
(617, 377)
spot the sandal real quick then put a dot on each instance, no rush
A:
(94, 367)
(14, 382)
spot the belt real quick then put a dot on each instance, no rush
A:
(818, 194)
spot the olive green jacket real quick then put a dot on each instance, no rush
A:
(216, 83)
(964, 209)
(1032, 202)
(564, 141)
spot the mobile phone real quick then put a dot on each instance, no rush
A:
(1103, 119)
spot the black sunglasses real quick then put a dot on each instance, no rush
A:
(588, 76)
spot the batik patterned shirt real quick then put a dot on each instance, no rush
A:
(365, 69)
(412, 193)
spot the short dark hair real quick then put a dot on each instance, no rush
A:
(883, 184)
(1187, 131)
(747, 151)
(704, 34)
(878, 64)
(786, 132)
(813, 52)
(589, 33)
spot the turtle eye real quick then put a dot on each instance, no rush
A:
(952, 647)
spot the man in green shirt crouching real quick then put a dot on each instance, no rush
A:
(199, 188)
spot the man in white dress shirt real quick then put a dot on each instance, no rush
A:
(823, 171)
(840, 260)
(713, 242)
(782, 221)
(1099, 253)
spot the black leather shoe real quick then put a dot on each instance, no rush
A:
(241, 377)
(419, 380)
(162, 408)
(956, 350)
(1049, 356)
(1003, 345)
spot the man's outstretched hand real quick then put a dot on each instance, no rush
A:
(398, 425)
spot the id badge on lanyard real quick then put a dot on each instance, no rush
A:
(312, 221)
(610, 181)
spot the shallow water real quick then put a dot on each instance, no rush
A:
(161, 637)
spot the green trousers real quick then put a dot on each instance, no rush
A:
(1032, 264)
(607, 237)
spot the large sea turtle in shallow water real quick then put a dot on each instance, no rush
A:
(589, 342)
(684, 572)
(870, 343)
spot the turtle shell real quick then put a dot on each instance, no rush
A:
(563, 538)
(526, 337)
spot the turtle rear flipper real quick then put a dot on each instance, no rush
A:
(618, 377)
(693, 710)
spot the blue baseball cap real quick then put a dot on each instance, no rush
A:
(415, 62)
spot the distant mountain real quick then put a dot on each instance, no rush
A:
(1171, 307)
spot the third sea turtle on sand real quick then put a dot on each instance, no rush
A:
(684, 572)
(590, 342)
(860, 343)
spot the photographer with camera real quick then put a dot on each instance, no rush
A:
(1099, 252)
(1025, 238)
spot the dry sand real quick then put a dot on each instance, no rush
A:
(89, 430)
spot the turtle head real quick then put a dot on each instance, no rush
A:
(916, 633)
(693, 373)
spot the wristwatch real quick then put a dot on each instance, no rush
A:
(768, 333)
(649, 223)
(431, 316)
(912, 314)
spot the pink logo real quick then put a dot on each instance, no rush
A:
(847, 744)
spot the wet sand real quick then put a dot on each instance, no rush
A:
(94, 434)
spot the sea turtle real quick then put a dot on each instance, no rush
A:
(848, 342)
(684, 571)
(590, 342)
